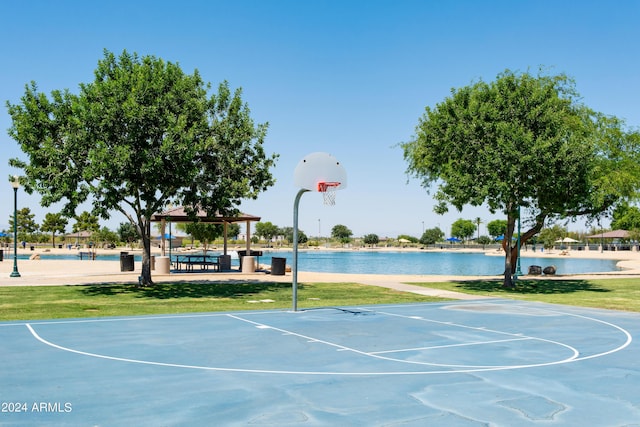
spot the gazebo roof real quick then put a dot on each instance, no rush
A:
(180, 215)
(615, 234)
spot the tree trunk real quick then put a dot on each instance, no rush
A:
(145, 277)
(508, 250)
(514, 257)
(511, 255)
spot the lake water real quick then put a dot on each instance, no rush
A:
(441, 263)
(387, 262)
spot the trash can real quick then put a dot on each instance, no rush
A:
(163, 266)
(126, 262)
(248, 264)
(278, 266)
(225, 262)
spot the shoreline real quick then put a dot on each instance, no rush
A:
(70, 272)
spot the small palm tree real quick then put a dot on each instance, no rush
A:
(478, 221)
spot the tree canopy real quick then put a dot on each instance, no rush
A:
(431, 236)
(626, 217)
(463, 228)
(54, 223)
(127, 232)
(141, 135)
(525, 146)
(86, 222)
(26, 223)
(266, 230)
(550, 235)
(105, 236)
(341, 233)
(287, 232)
(206, 233)
(371, 239)
(497, 227)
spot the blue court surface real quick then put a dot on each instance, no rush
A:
(474, 363)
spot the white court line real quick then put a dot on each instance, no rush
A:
(433, 347)
(376, 355)
(463, 368)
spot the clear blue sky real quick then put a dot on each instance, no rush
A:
(347, 77)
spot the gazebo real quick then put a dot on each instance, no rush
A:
(615, 234)
(179, 214)
(80, 235)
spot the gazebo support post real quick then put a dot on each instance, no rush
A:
(163, 224)
(248, 245)
(224, 244)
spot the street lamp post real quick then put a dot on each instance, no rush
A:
(518, 271)
(170, 207)
(15, 183)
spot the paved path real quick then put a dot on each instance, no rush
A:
(421, 290)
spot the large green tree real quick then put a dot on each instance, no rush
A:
(104, 236)
(54, 223)
(463, 228)
(497, 228)
(371, 239)
(431, 236)
(287, 232)
(141, 135)
(127, 233)
(204, 232)
(341, 233)
(626, 217)
(266, 230)
(550, 235)
(27, 225)
(523, 145)
(86, 221)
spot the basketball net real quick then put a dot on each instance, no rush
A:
(328, 190)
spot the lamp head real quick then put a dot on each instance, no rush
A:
(15, 182)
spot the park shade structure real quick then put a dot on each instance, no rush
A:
(179, 214)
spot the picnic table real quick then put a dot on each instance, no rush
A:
(187, 262)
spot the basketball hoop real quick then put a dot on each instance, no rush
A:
(319, 172)
(328, 190)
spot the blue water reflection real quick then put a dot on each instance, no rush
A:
(388, 262)
(462, 264)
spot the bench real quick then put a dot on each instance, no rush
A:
(203, 261)
(87, 255)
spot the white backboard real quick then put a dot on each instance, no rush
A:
(319, 167)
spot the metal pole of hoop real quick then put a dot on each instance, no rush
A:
(294, 268)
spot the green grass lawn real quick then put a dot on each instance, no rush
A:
(109, 299)
(55, 302)
(615, 294)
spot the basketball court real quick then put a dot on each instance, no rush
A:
(469, 363)
(486, 362)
